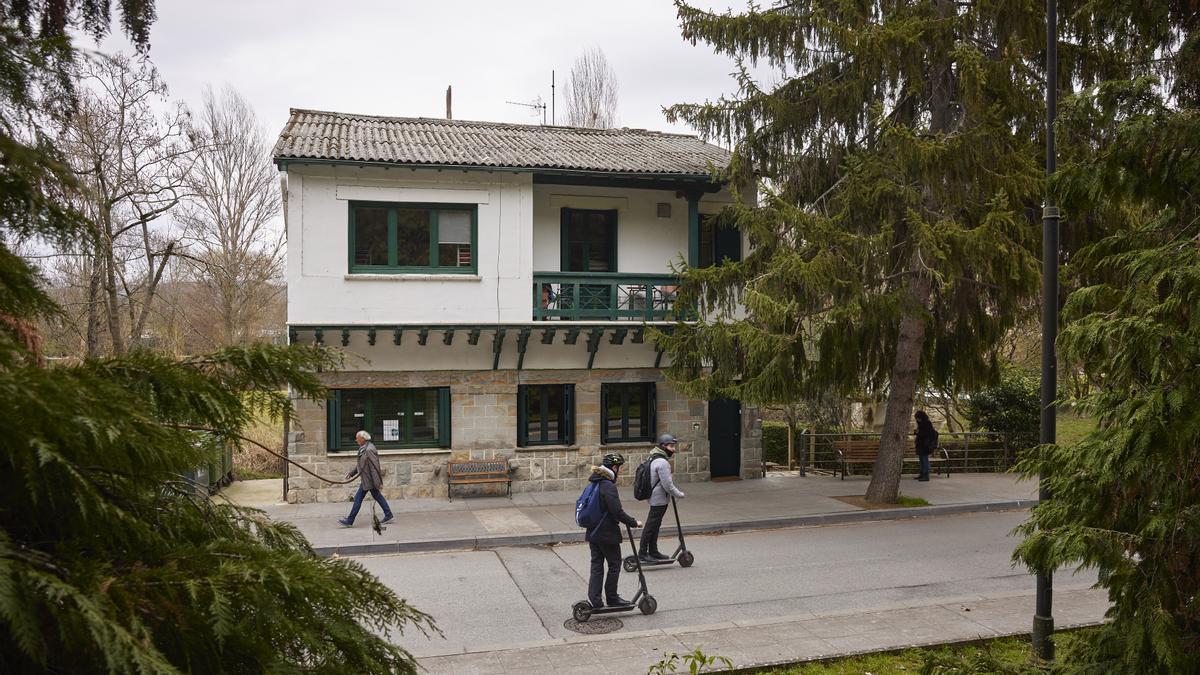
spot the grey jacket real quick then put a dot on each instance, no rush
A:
(660, 478)
(368, 468)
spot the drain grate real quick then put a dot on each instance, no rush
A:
(594, 627)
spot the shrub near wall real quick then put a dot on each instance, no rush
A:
(775, 442)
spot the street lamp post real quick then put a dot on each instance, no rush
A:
(1043, 618)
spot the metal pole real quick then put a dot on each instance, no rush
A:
(1043, 618)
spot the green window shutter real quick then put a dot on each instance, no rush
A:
(652, 399)
(333, 416)
(569, 414)
(444, 425)
(522, 433)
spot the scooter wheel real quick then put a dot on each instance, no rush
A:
(686, 559)
(648, 605)
(630, 563)
(582, 611)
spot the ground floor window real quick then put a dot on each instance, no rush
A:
(628, 410)
(395, 418)
(545, 414)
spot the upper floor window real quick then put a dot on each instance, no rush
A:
(718, 242)
(396, 238)
(589, 240)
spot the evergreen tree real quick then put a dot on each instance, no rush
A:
(1126, 500)
(892, 243)
(109, 561)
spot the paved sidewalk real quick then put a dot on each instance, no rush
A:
(548, 517)
(781, 640)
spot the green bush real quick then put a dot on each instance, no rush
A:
(774, 435)
(1012, 407)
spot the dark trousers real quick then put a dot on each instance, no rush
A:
(649, 543)
(600, 554)
(358, 500)
(924, 465)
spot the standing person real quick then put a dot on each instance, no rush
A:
(662, 485)
(926, 442)
(605, 538)
(371, 475)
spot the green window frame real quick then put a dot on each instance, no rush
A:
(628, 412)
(570, 222)
(719, 242)
(348, 411)
(440, 257)
(545, 414)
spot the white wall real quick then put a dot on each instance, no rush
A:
(646, 244)
(518, 233)
(320, 291)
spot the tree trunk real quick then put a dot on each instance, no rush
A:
(93, 308)
(902, 386)
(885, 476)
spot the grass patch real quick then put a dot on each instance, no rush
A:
(251, 462)
(905, 500)
(251, 474)
(1073, 428)
(1008, 656)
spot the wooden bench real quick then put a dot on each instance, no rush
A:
(472, 473)
(865, 451)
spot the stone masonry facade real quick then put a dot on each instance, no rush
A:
(483, 420)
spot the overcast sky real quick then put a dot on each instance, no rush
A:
(396, 58)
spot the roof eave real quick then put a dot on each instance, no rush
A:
(283, 162)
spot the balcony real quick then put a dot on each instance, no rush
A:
(603, 296)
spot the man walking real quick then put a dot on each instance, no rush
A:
(661, 486)
(371, 475)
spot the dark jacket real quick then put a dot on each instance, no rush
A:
(609, 529)
(927, 437)
(368, 468)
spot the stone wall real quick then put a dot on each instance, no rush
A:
(483, 420)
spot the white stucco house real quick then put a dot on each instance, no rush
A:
(491, 285)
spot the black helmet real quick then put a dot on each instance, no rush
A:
(613, 460)
(666, 440)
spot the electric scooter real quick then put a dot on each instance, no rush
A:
(681, 555)
(643, 601)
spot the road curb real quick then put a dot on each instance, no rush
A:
(575, 536)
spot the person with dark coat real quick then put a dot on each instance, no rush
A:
(605, 539)
(926, 442)
(371, 479)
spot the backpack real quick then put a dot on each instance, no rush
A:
(931, 441)
(589, 508)
(641, 481)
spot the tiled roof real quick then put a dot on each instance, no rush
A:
(314, 134)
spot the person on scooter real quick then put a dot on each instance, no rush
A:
(662, 486)
(605, 538)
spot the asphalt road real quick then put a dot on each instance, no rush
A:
(508, 596)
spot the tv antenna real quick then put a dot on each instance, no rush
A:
(535, 106)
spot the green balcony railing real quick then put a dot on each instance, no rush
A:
(603, 296)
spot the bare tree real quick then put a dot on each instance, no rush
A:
(130, 161)
(231, 221)
(591, 92)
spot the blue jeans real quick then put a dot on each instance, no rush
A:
(358, 500)
(924, 466)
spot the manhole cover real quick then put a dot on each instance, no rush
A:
(593, 627)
